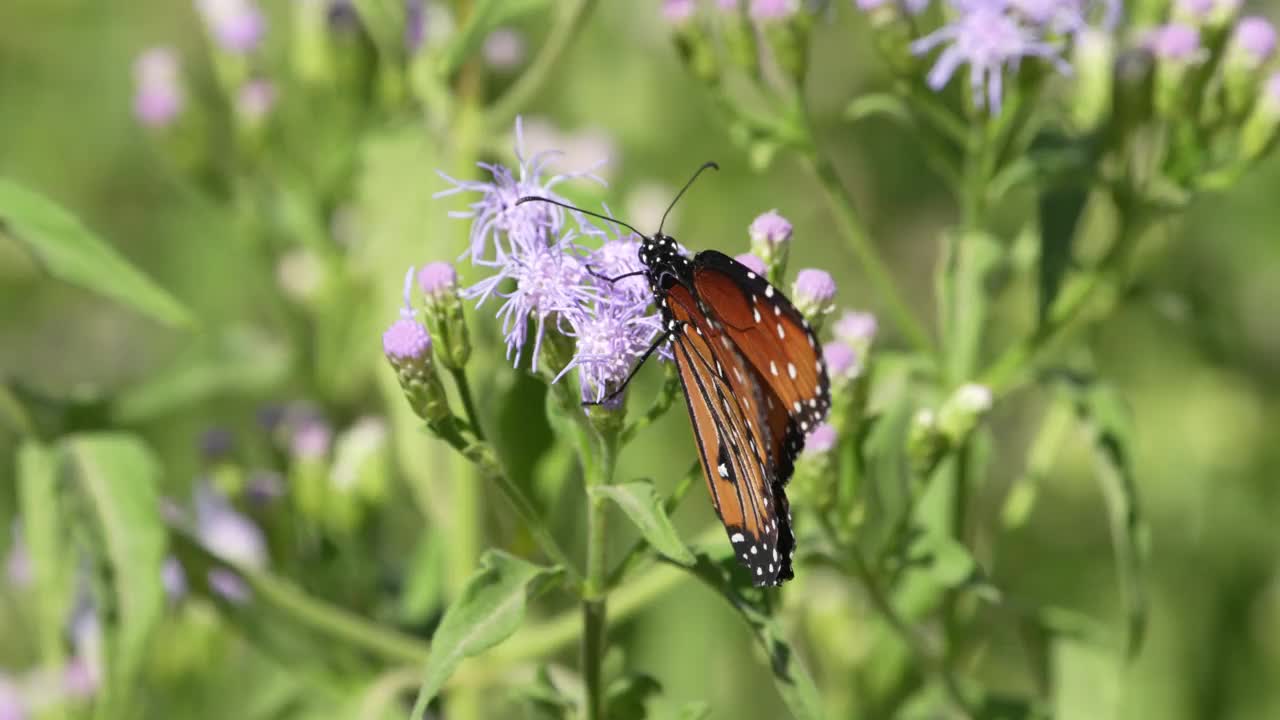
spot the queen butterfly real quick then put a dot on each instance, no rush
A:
(754, 383)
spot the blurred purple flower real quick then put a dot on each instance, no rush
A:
(158, 94)
(415, 25)
(81, 678)
(1256, 39)
(766, 10)
(437, 279)
(855, 329)
(678, 12)
(12, 706)
(504, 49)
(821, 439)
(496, 214)
(814, 291)
(842, 361)
(255, 99)
(311, 439)
(228, 585)
(225, 532)
(174, 579)
(236, 25)
(1175, 42)
(753, 263)
(550, 279)
(987, 36)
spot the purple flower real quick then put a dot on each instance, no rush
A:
(496, 214)
(550, 280)
(841, 360)
(767, 10)
(158, 96)
(1174, 42)
(856, 329)
(406, 342)
(227, 533)
(678, 12)
(618, 257)
(1255, 38)
(255, 99)
(610, 338)
(769, 230)
(237, 25)
(415, 25)
(311, 440)
(227, 584)
(821, 439)
(174, 578)
(437, 280)
(753, 263)
(814, 291)
(504, 49)
(987, 37)
(12, 706)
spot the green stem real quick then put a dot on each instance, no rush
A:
(595, 589)
(468, 402)
(530, 82)
(855, 234)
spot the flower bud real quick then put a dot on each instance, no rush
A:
(159, 96)
(444, 313)
(786, 28)
(1251, 46)
(925, 443)
(504, 50)
(694, 44)
(1094, 59)
(309, 447)
(254, 101)
(1177, 51)
(1259, 130)
(857, 330)
(753, 263)
(407, 346)
(739, 37)
(843, 363)
(814, 484)
(237, 26)
(814, 293)
(962, 411)
(770, 239)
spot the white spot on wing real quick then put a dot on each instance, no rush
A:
(739, 537)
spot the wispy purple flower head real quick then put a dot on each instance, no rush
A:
(821, 439)
(988, 36)
(1256, 38)
(496, 214)
(616, 257)
(842, 360)
(550, 280)
(814, 291)
(437, 279)
(770, 229)
(158, 96)
(236, 25)
(610, 338)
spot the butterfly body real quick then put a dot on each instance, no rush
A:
(754, 384)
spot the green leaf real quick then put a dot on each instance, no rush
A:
(1086, 681)
(1106, 417)
(968, 265)
(696, 710)
(790, 676)
(484, 18)
(235, 362)
(490, 608)
(47, 534)
(118, 476)
(886, 104)
(70, 252)
(626, 697)
(640, 502)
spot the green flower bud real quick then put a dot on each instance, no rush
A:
(925, 443)
(1094, 58)
(739, 37)
(962, 411)
(1258, 133)
(692, 40)
(444, 315)
(1178, 54)
(407, 346)
(309, 468)
(1251, 46)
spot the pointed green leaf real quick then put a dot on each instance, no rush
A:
(1107, 418)
(490, 608)
(641, 504)
(72, 253)
(790, 676)
(47, 534)
(118, 476)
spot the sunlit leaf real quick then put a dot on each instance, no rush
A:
(118, 476)
(641, 504)
(490, 608)
(72, 253)
(47, 535)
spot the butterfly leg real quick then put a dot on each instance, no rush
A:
(666, 335)
(611, 280)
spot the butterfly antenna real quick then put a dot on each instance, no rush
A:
(696, 173)
(567, 206)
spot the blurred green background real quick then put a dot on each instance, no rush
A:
(1197, 354)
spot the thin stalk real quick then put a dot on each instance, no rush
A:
(859, 241)
(468, 402)
(595, 589)
(530, 82)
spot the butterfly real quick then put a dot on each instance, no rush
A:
(754, 384)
